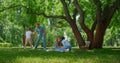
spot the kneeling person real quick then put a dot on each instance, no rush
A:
(66, 44)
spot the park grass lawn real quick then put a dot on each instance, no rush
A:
(19, 55)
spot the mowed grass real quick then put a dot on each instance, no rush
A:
(20, 55)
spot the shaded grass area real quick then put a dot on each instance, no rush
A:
(19, 55)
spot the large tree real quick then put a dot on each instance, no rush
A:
(71, 9)
(103, 18)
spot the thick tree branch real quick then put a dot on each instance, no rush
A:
(98, 10)
(50, 16)
(80, 11)
(73, 25)
(10, 7)
(97, 2)
(66, 10)
(112, 10)
(94, 26)
(74, 14)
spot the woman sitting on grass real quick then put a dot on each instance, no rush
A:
(58, 46)
(65, 45)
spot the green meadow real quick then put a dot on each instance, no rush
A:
(20, 55)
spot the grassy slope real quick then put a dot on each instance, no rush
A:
(19, 55)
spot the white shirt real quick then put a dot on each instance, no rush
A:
(65, 43)
(28, 34)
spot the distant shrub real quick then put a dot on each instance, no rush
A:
(5, 44)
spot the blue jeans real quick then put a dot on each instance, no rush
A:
(38, 40)
(59, 49)
(62, 49)
(68, 47)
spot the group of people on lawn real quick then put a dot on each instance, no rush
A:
(61, 43)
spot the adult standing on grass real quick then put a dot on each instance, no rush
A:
(41, 34)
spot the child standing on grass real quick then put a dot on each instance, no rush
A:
(28, 39)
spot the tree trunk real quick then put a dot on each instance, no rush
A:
(103, 22)
(90, 38)
(77, 34)
(99, 36)
(23, 37)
